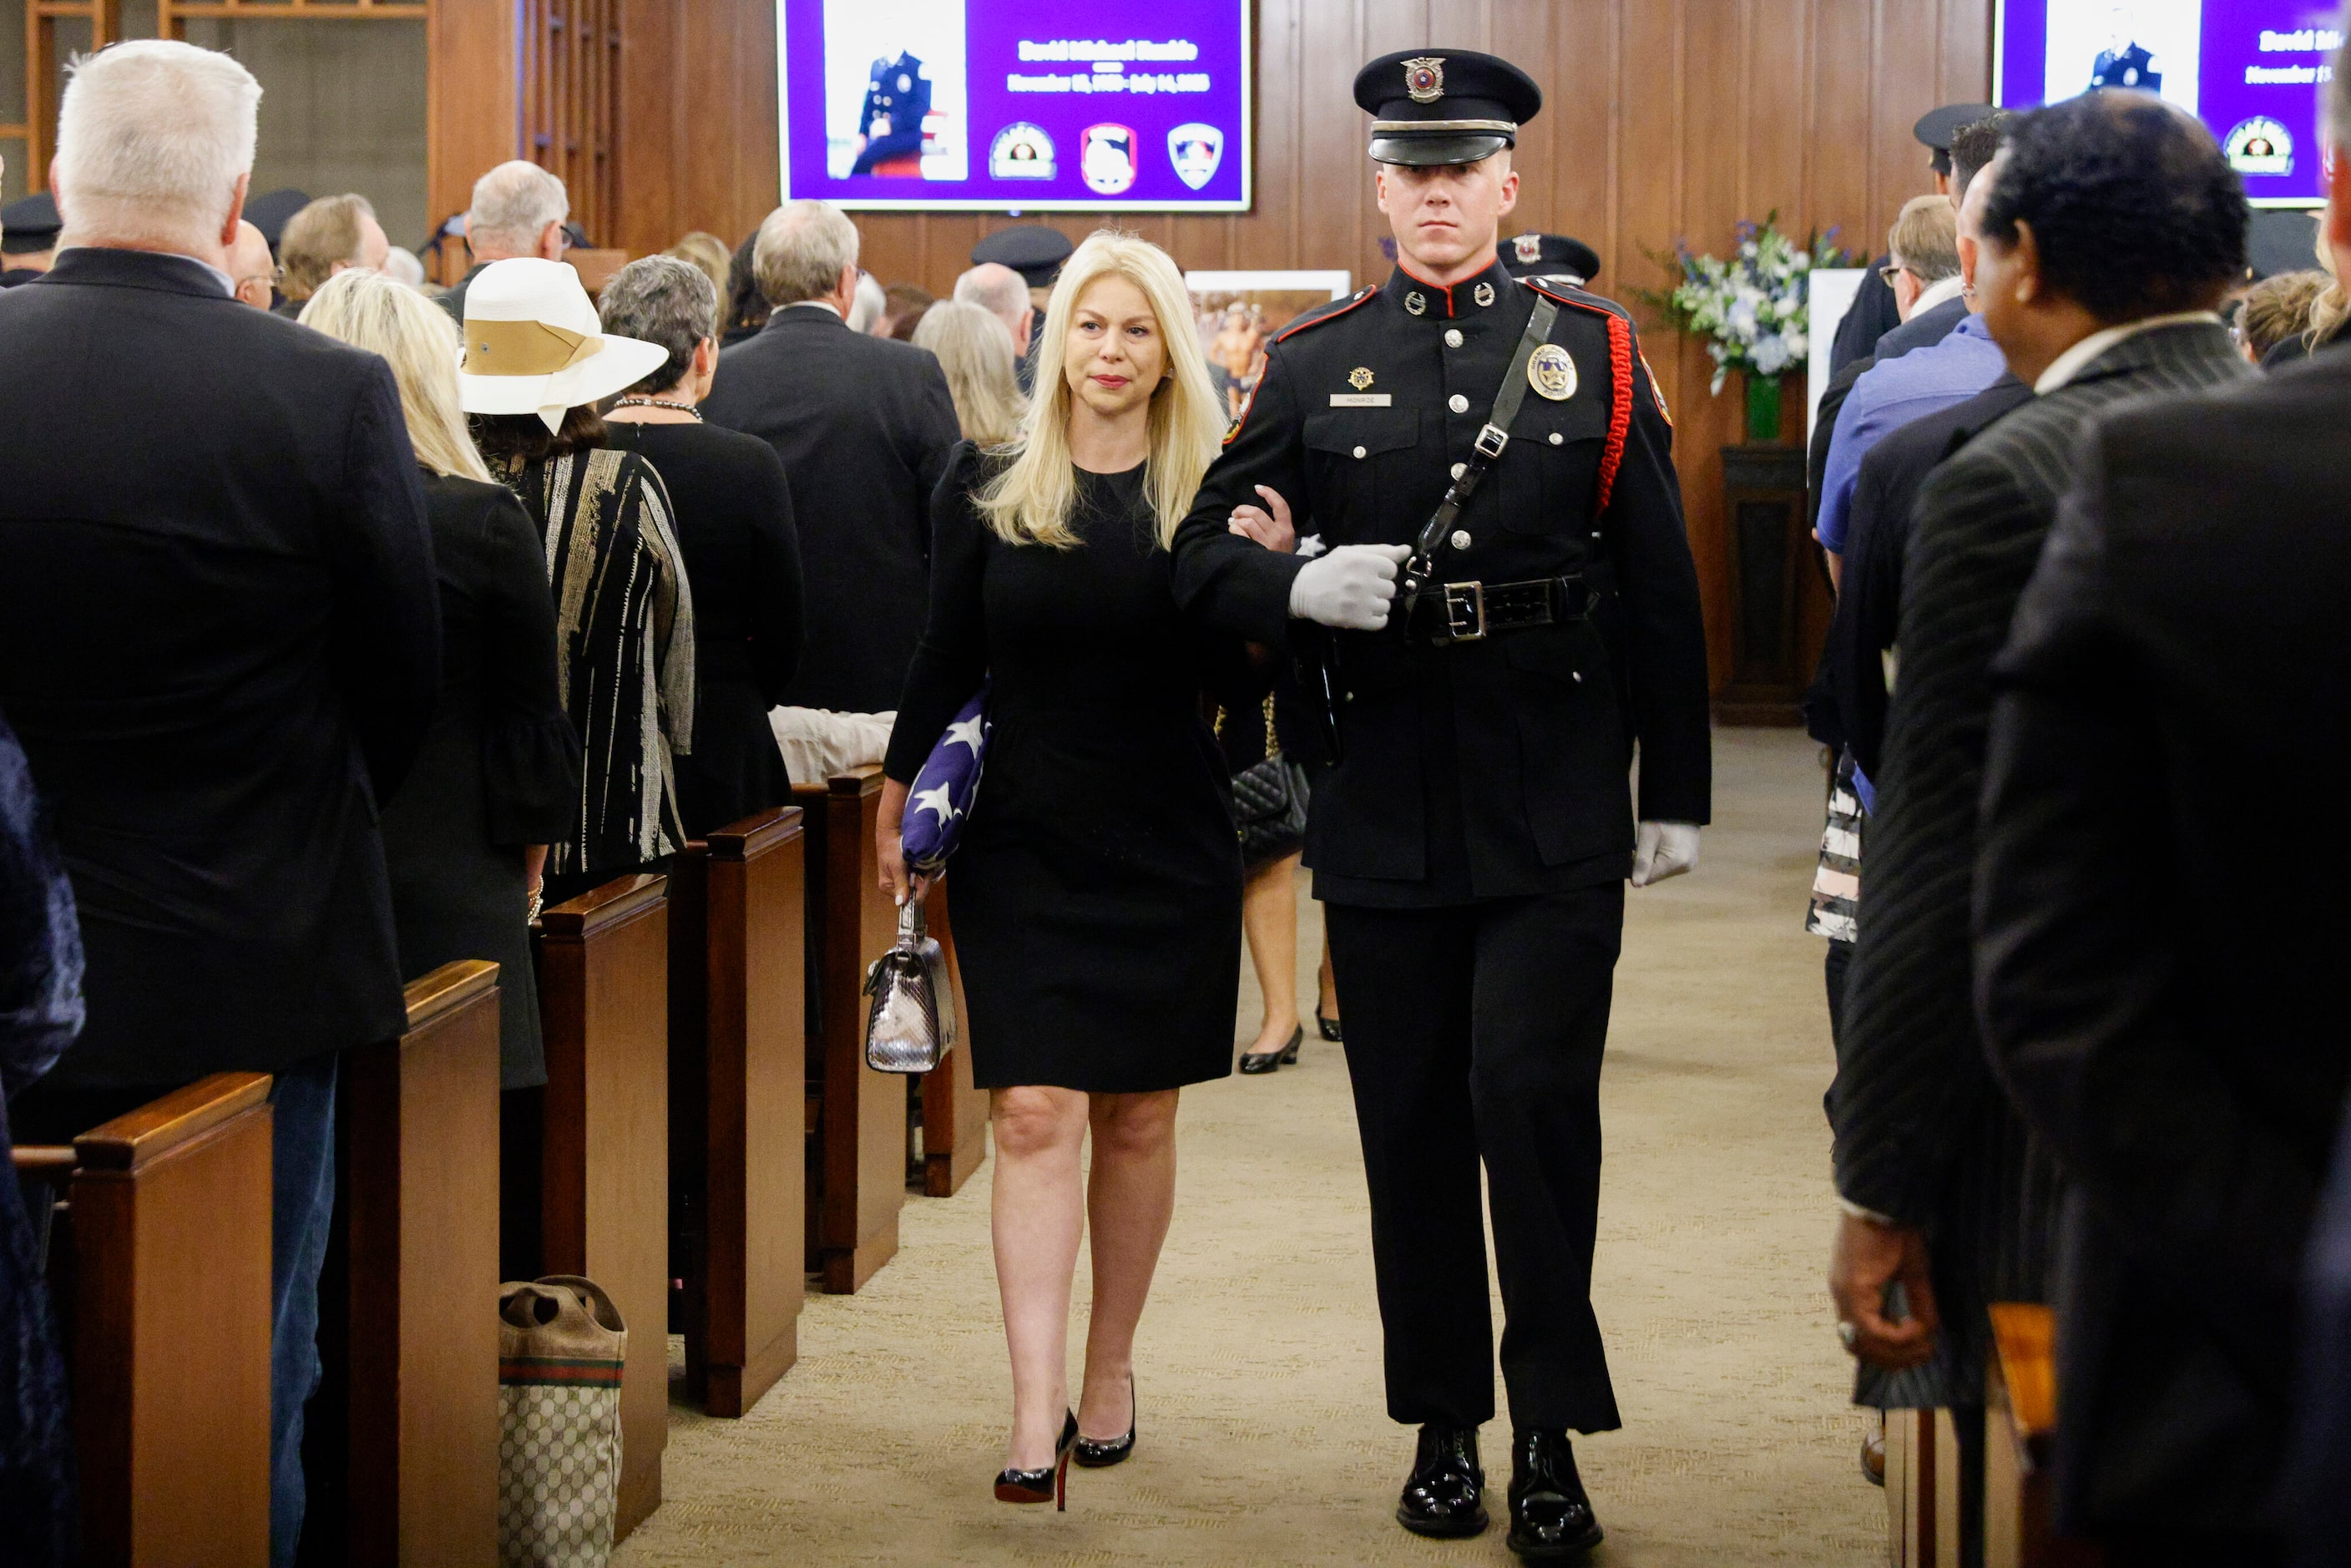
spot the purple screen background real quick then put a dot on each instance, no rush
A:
(992, 30)
(2231, 41)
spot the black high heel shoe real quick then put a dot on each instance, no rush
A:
(1050, 1484)
(1329, 1026)
(1254, 1062)
(1096, 1454)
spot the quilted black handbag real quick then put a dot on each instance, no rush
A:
(1270, 802)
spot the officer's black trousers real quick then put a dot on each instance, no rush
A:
(1473, 1033)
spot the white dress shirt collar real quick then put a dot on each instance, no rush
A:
(1935, 293)
(2073, 360)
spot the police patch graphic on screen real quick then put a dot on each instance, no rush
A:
(1195, 149)
(2260, 146)
(1020, 151)
(1106, 158)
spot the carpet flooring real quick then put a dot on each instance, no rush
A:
(1263, 1437)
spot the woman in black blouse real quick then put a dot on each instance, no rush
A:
(498, 776)
(1098, 886)
(733, 515)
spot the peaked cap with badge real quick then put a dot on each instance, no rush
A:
(1473, 823)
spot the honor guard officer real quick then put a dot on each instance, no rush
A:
(1551, 259)
(28, 238)
(1515, 610)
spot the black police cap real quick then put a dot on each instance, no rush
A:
(1550, 256)
(1433, 106)
(1032, 250)
(30, 223)
(1937, 126)
(272, 210)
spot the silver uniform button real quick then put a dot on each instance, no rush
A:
(1360, 452)
(1460, 538)
(1556, 438)
(1457, 469)
(1458, 403)
(1453, 337)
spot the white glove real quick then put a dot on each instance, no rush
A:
(1350, 588)
(1661, 849)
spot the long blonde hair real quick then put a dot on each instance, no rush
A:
(975, 353)
(1031, 501)
(416, 337)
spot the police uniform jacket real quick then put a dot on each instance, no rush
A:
(1495, 766)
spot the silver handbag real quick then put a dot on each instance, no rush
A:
(911, 1026)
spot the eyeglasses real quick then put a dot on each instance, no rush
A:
(273, 277)
(1889, 273)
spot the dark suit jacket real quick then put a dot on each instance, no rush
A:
(2161, 980)
(454, 302)
(1872, 315)
(1869, 601)
(864, 426)
(1922, 1133)
(2320, 1503)
(220, 644)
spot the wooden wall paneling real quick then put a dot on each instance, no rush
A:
(955, 1113)
(756, 171)
(651, 128)
(1333, 182)
(472, 103)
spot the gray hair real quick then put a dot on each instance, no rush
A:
(803, 248)
(513, 204)
(152, 137)
(997, 289)
(660, 299)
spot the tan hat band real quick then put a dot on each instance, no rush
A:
(524, 349)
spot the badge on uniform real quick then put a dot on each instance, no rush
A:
(1550, 372)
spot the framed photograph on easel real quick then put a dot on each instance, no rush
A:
(1239, 313)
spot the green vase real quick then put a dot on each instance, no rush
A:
(1762, 408)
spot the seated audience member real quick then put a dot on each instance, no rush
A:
(40, 1012)
(2276, 309)
(2112, 229)
(518, 210)
(220, 646)
(2180, 638)
(28, 238)
(864, 426)
(743, 307)
(867, 307)
(705, 251)
(903, 307)
(1925, 245)
(978, 359)
(498, 779)
(731, 510)
(329, 235)
(250, 269)
(1003, 294)
(623, 611)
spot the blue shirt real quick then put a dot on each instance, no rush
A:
(1888, 396)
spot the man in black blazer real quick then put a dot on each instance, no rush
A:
(2113, 230)
(864, 426)
(219, 643)
(2160, 988)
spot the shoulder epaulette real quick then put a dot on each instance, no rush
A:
(1582, 300)
(1620, 375)
(1331, 311)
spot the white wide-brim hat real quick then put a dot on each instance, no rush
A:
(533, 344)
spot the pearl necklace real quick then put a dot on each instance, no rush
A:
(685, 408)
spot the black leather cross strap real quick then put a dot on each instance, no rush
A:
(1422, 567)
(1470, 611)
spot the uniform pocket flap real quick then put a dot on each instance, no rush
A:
(1362, 431)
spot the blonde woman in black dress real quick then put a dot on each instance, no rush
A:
(1098, 886)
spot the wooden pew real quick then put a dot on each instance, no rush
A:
(417, 1391)
(2019, 1437)
(1922, 1489)
(603, 988)
(163, 1275)
(955, 1114)
(858, 1163)
(737, 1075)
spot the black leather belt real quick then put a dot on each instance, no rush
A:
(1470, 611)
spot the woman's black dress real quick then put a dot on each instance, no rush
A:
(500, 767)
(1097, 892)
(732, 513)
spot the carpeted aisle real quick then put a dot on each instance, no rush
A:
(1263, 1437)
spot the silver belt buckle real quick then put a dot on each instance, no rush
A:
(1465, 612)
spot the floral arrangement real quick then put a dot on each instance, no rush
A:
(1752, 308)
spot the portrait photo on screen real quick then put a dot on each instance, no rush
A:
(2152, 46)
(895, 101)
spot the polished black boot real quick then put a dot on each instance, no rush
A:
(1444, 1496)
(1550, 1518)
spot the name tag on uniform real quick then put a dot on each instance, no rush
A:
(1359, 400)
